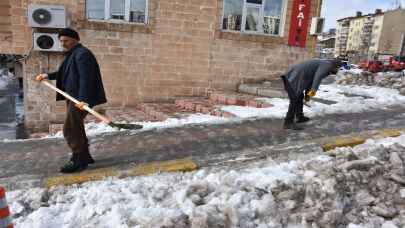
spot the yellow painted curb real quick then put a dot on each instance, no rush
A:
(181, 165)
(343, 142)
(79, 178)
(351, 141)
(386, 133)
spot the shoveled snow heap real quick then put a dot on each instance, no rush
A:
(391, 79)
(360, 187)
(356, 71)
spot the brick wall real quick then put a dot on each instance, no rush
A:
(5, 22)
(12, 29)
(181, 52)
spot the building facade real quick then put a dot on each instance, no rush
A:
(155, 50)
(367, 35)
(342, 35)
(355, 34)
(376, 33)
(392, 32)
(326, 44)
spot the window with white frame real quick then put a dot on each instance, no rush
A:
(126, 10)
(253, 16)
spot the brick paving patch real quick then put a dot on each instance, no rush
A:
(179, 109)
(128, 114)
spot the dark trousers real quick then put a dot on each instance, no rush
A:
(75, 134)
(296, 107)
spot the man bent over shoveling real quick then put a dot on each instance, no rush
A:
(79, 76)
(301, 83)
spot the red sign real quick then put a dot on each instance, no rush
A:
(299, 23)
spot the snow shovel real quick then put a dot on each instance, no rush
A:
(94, 113)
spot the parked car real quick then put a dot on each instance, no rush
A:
(397, 63)
(373, 66)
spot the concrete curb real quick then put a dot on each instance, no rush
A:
(181, 165)
(331, 143)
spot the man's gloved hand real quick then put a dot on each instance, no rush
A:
(311, 93)
(307, 98)
(81, 106)
(41, 77)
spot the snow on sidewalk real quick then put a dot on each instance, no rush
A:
(367, 98)
(98, 128)
(373, 98)
(263, 194)
(379, 98)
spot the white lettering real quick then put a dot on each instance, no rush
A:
(301, 7)
(301, 16)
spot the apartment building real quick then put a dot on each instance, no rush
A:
(390, 33)
(356, 25)
(342, 35)
(367, 35)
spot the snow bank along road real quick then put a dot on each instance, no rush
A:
(361, 187)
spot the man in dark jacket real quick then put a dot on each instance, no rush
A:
(79, 76)
(301, 82)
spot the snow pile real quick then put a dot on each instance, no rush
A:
(190, 119)
(349, 99)
(99, 128)
(354, 99)
(353, 187)
(200, 199)
(393, 80)
(356, 71)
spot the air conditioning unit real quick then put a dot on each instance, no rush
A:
(47, 16)
(47, 42)
(317, 25)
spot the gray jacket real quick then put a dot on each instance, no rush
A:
(309, 74)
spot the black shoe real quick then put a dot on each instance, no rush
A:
(90, 160)
(292, 126)
(87, 157)
(72, 167)
(303, 119)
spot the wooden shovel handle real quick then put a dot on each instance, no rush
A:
(87, 108)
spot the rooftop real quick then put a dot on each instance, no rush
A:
(360, 15)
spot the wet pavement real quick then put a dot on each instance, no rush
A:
(204, 143)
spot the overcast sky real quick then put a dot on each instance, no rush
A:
(336, 9)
